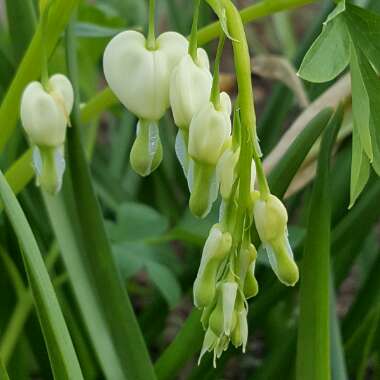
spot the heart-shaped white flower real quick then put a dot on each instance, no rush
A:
(45, 112)
(139, 77)
(190, 88)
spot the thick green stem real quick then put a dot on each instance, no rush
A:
(215, 90)
(250, 13)
(193, 45)
(151, 40)
(250, 145)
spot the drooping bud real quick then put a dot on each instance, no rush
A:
(45, 112)
(226, 171)
(251, 286)
(45, 115)
(209, 132)
(271, 223)
(203, 188)
(146, 152)
(216, 248)
(190, 87)
(247, 256)
(239, 336)
(229, 292)
(139, 77)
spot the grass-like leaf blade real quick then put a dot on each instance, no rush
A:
(63, 358)
(313, 346)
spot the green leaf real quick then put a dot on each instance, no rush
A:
(330, 53)
(3, 371)
(313, 347)
(165, 281)
(116, 305)
(360, 103)
(186, 343)
(136, 221)
(364, 28)
(360, 168)
(86, 29)
(22, 23)
(65, 226)
(63, 358)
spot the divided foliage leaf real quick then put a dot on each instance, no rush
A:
(351, 36)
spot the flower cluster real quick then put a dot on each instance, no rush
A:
(149, 75)
(45, 111)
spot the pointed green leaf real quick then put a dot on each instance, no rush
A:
(364, 28)
(360, 103)
(3, 371)
(165, 281)
(313, 348)
(330, 53)
(360, 168)
(116, 305)
(63, 358)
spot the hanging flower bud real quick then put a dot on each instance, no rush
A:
(139, 77)
(246, 258)
(271, 223)
(146, 152)
(209, 131)
(45, 112)
(45, 115)
(229, 291)
(215, 250)
(226, 171)
(251, 286)
(190, 87)
(239, 336)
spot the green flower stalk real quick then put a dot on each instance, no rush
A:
(231, 279)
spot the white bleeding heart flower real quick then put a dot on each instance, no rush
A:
(45, 115)
(139, 77)
(190, 87)
(45, 112)
(209, 131)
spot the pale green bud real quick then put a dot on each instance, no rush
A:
(226, 171)
(228, 292)
(271, 218)
(146, 152)
(239, 336)
(45, 112)
(216, 248)
(281, 259)
(271, 223)
(49, 166)
(139, 77)
(223, 319)
(251, 286)
(247, 256)
(190, 88)
(209, 132)
(203, 188)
